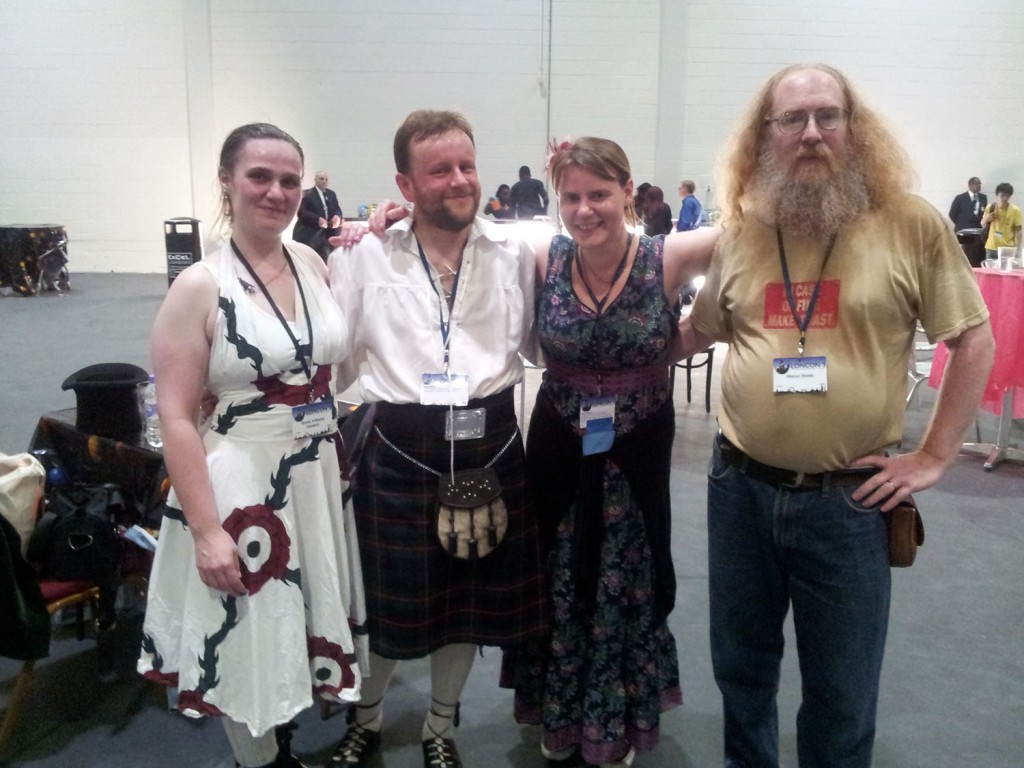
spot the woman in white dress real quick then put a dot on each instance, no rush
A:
(255, 600)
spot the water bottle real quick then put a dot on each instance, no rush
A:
(153, 437)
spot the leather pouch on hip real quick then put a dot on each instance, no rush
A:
(906, 533)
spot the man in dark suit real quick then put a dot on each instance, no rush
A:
(319, 216)
(965, 213)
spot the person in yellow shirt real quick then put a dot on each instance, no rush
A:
(1003, 220)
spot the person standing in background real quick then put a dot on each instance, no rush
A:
(1003, 220)
(967, 207)
(965, 213)
(528, 197)
(656, 214)
(319, 216)
(826, 266)
(497, 206)
(689, 208)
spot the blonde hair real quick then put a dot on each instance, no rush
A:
(888, 171)
(603, 158)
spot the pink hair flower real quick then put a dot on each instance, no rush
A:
(555, 150)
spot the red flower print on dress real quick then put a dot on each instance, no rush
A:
(163, 678)
(192, 702)
(330, 666)
(264, 546)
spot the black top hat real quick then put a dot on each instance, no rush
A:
(108, 399)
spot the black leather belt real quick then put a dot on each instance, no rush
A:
(788, 478)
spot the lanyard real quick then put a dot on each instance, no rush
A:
(300, 355)
(802, 324)
(445, 326)
(599, 305)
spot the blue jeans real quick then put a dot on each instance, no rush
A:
(827, 555)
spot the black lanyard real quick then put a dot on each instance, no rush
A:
(300, 354)
(802, 324)
(445, 326)
(599, 305)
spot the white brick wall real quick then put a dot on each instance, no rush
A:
(111, 113)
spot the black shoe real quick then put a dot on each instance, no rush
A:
(575, 760)
(285, 758)
(355, 748)
(440, 753)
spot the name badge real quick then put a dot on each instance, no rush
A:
(465, 425)
(314, 419)
(799, 375)
(444, 389)
(597, 420)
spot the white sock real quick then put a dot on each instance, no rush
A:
(369, 710)
(250, 751)
(449, 668)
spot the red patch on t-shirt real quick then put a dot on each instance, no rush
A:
(777, 313)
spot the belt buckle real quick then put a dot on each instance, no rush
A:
(797, 481)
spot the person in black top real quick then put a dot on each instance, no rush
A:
(528, 197)
(965, 213)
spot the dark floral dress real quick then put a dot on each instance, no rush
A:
(610, 667)
(300, 629)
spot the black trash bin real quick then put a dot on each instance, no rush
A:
(184, 245)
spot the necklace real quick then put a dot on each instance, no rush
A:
(250, 289)
(599, 303)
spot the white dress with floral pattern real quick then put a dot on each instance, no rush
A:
(300, 629)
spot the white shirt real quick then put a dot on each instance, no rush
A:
(395, 313)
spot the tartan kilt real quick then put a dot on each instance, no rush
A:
(419, 598)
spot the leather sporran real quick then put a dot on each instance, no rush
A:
(906, 533)
(471, 517)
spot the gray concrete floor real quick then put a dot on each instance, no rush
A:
(953, 684)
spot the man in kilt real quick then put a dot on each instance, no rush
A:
(440, 308)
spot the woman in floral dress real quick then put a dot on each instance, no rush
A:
(599, 453)
(255, 599)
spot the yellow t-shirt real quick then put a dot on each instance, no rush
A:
(1004, 227)
(889, 269)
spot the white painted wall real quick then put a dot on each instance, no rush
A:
(112, 112)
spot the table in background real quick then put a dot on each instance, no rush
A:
(137, 469)
(33, 257)
(1004, 295)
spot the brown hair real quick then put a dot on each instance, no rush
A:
(232, 148)
(424, 124)
(887, 168)
(603, 158)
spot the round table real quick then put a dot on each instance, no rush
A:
(1003, 292)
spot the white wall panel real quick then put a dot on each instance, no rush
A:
(92, 129)
(111, 113)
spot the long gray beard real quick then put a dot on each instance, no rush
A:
(812, 208)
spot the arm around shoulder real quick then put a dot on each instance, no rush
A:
(687, 255)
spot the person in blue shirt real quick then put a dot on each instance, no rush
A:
(690, 210)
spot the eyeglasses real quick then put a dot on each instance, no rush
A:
(827, 119)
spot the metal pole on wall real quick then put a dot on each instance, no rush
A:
(547, 126)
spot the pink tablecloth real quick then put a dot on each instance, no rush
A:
(1004, 294)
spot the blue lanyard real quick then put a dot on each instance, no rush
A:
(802, 324)
(445, 326)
